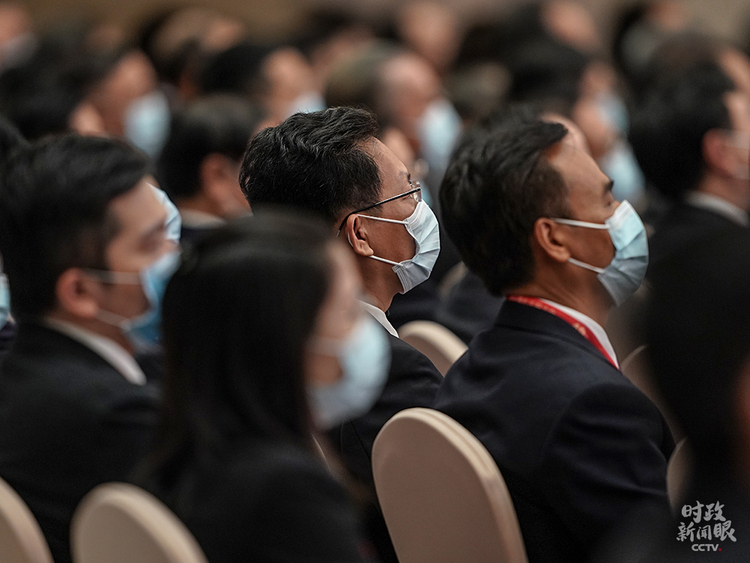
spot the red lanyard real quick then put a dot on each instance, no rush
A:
(576, 324)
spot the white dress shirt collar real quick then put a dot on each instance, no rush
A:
(719, 206)
(590, 324)
(380, 317)
(108, 349)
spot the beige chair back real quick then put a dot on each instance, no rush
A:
(120, 523)
(442, 495)
(21, 539)
(679, 473)
(435, 341)
(635, 367)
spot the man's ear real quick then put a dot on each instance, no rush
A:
(355, 231)
(716, 155)
(550, 238)
(214, 172)
(78, 294)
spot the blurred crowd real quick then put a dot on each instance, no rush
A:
(457, 163)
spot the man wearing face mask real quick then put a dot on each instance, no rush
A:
(86, 249)
(331, 162)
(579, 445)
(200, 163)
(691, 135)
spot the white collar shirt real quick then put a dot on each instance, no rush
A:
(114, 354)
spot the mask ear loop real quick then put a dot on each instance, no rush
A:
(587, 225)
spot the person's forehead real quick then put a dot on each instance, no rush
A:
(578, 170)
(137, 207)
(393, 172)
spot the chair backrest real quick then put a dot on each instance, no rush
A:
(435, 341)
(21, 539)
(442, 495)
(635, 368)
(679, 473)
(120, 523)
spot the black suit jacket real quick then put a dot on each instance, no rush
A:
(263, 501)
(469, 308)
(68, 422)
(683, 225)
(577, 443)
(412, 381)
(651, 536)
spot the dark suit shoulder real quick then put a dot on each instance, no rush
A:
(270, 502)
(683, 225)
(50, 367)
(408, 362)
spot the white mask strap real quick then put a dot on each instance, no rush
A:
(586, 266)
(586, 224)
(383, 219)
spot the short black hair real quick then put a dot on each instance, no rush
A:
(235, 356)
(220, 124)
(669, 123)
(317, 161)
(497, 184)
(697, 322)
(236, 70)
(54, 196)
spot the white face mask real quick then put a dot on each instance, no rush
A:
(147, 122)
(423, 227)
(624, 275)
(364, 357)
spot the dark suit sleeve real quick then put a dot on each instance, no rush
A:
(605, 458)
(413, 381)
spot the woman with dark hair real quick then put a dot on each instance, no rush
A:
(266, 343)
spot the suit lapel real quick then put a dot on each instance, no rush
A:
(523, 317)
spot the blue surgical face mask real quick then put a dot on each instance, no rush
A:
(364, 357)
(625, 273)
(439, 129)
(143, 331)
(147, 122)
(423, 226)
(4, 300)
(173, 224)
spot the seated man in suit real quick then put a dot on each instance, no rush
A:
(199, 165)
(577, 443)
(700, 360)
(330, 162)
(85, 248)
(691, 135)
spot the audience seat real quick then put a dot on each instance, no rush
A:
(679, 473)
(442, 495)
(435, 341)
(21, 539)
(120, 523)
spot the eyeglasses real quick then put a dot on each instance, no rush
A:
(415, 193)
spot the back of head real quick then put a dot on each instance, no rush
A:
(40, 97)
(497, 185)
(696, 327)
(236, 318)
(237, 70)
(219, 124)
(317, 161)
(669, 124)
(547, 73)
(355, 81)
(54, 197)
